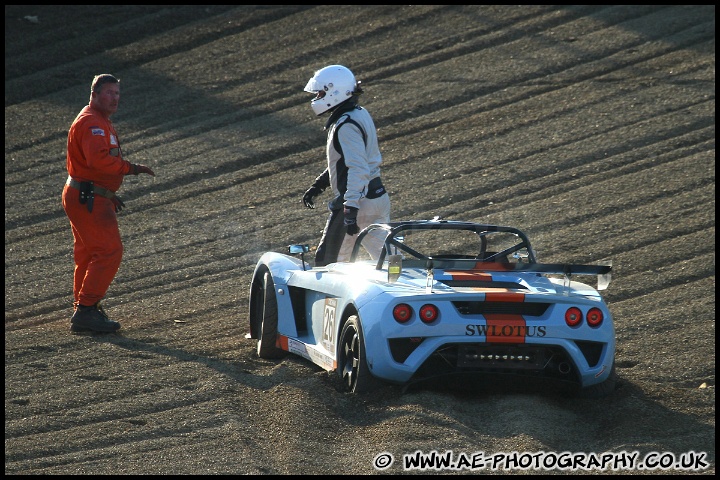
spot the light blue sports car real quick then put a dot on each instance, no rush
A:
(440, 299)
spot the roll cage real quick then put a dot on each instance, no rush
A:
(397, 232)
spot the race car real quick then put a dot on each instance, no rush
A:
(423, 300)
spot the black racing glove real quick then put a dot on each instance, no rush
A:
(119, 204)
(309, 197)
(351, 220)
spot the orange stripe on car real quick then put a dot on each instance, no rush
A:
(504, 297)
(467, 275)
(505, 328)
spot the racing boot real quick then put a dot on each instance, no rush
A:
(92, 319)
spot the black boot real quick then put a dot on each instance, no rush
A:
(92, 319)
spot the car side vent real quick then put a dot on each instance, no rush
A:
(297, 297)
(401, 348)
(528, 309)
(592, 351)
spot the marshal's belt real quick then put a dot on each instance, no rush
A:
(103, 192)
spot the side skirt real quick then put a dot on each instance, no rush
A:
(309, 351)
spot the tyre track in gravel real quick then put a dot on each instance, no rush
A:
(590, 127)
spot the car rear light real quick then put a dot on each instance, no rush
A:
(428, 313)
(402, 312)
(595, 317)
(573, 316)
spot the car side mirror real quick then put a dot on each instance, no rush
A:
(301, 249)
(294, 249)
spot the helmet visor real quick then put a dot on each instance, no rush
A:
(313, 86)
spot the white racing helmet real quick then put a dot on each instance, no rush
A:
(331, 85)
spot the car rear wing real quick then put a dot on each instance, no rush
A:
(603, 270)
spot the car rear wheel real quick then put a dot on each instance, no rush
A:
(267, 336)
(353, 373)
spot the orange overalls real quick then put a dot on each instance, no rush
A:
(93, 154)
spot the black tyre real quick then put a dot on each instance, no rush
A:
(353, 373)
(267, 333)
(601, 389)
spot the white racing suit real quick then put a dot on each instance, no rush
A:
(353, 172)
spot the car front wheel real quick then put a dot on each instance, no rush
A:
(267, 336)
